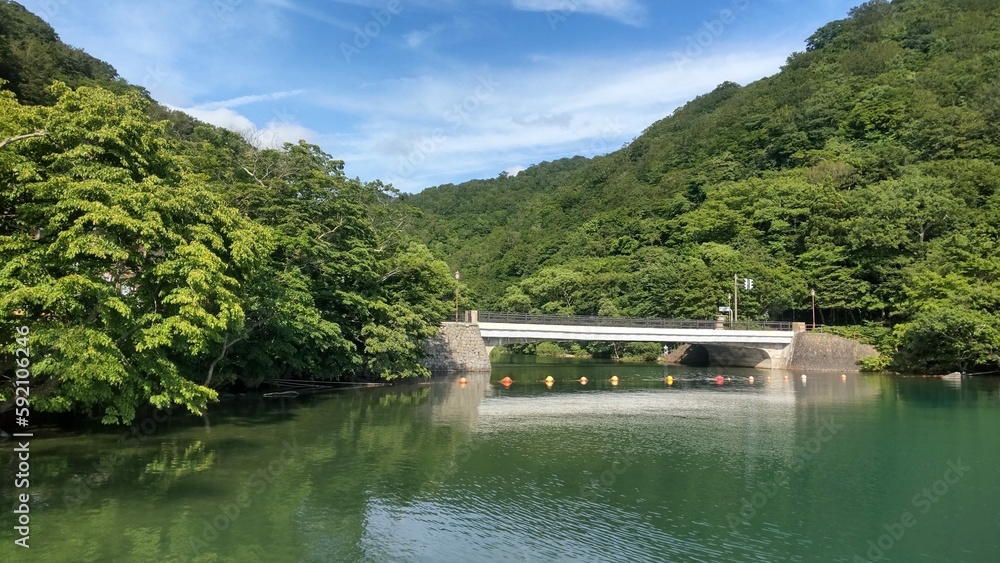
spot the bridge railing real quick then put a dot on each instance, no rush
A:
(526, 318)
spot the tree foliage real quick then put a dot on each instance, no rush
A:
(158, 261)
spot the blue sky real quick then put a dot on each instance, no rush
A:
(420, 92)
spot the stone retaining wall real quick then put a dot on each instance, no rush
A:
(813, 351)
(457, 347)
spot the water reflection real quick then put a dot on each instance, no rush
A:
(481, 471)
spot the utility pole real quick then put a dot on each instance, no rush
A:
(813, 293)
(736, 298)
(456, 295)
(729, 302)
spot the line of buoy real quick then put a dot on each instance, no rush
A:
(719, 380)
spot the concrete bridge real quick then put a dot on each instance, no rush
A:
(747, 344)
(465, 346)
(506, 328)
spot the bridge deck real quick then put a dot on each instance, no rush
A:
(557, 333)
(491, 317)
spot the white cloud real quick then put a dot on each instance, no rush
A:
(273, 135)
(449, 126)
(415, 39)
(515, 170)
(252, 99)
(625, 11)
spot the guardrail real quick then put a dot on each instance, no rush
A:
(525, 318)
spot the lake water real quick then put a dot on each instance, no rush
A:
(826, 469)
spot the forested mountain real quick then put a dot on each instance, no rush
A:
(149, 259)
(866, 169)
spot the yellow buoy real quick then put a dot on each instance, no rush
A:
(614, 379)
(843, 377)
(583, 381)
(670, 380)
(548, 384)
(549, 379)
(462, 381)
(751, 379)
(769, 378)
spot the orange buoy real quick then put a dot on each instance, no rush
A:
(583, 381)
(506, 381)
(462, 381)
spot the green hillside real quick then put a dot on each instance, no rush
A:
(866, 169)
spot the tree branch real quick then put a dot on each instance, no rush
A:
(16, 138)
(245, 169)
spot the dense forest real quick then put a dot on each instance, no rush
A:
(156, 259)
(866, 169)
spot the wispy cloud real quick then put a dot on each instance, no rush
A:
(572, 105)
(298, 9)
(251, 99)
(416, 38)
(629, 12)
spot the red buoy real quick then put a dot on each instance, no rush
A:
(719, 380)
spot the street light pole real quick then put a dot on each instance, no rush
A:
(812, 292)
(736, 298)
(456, 295)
